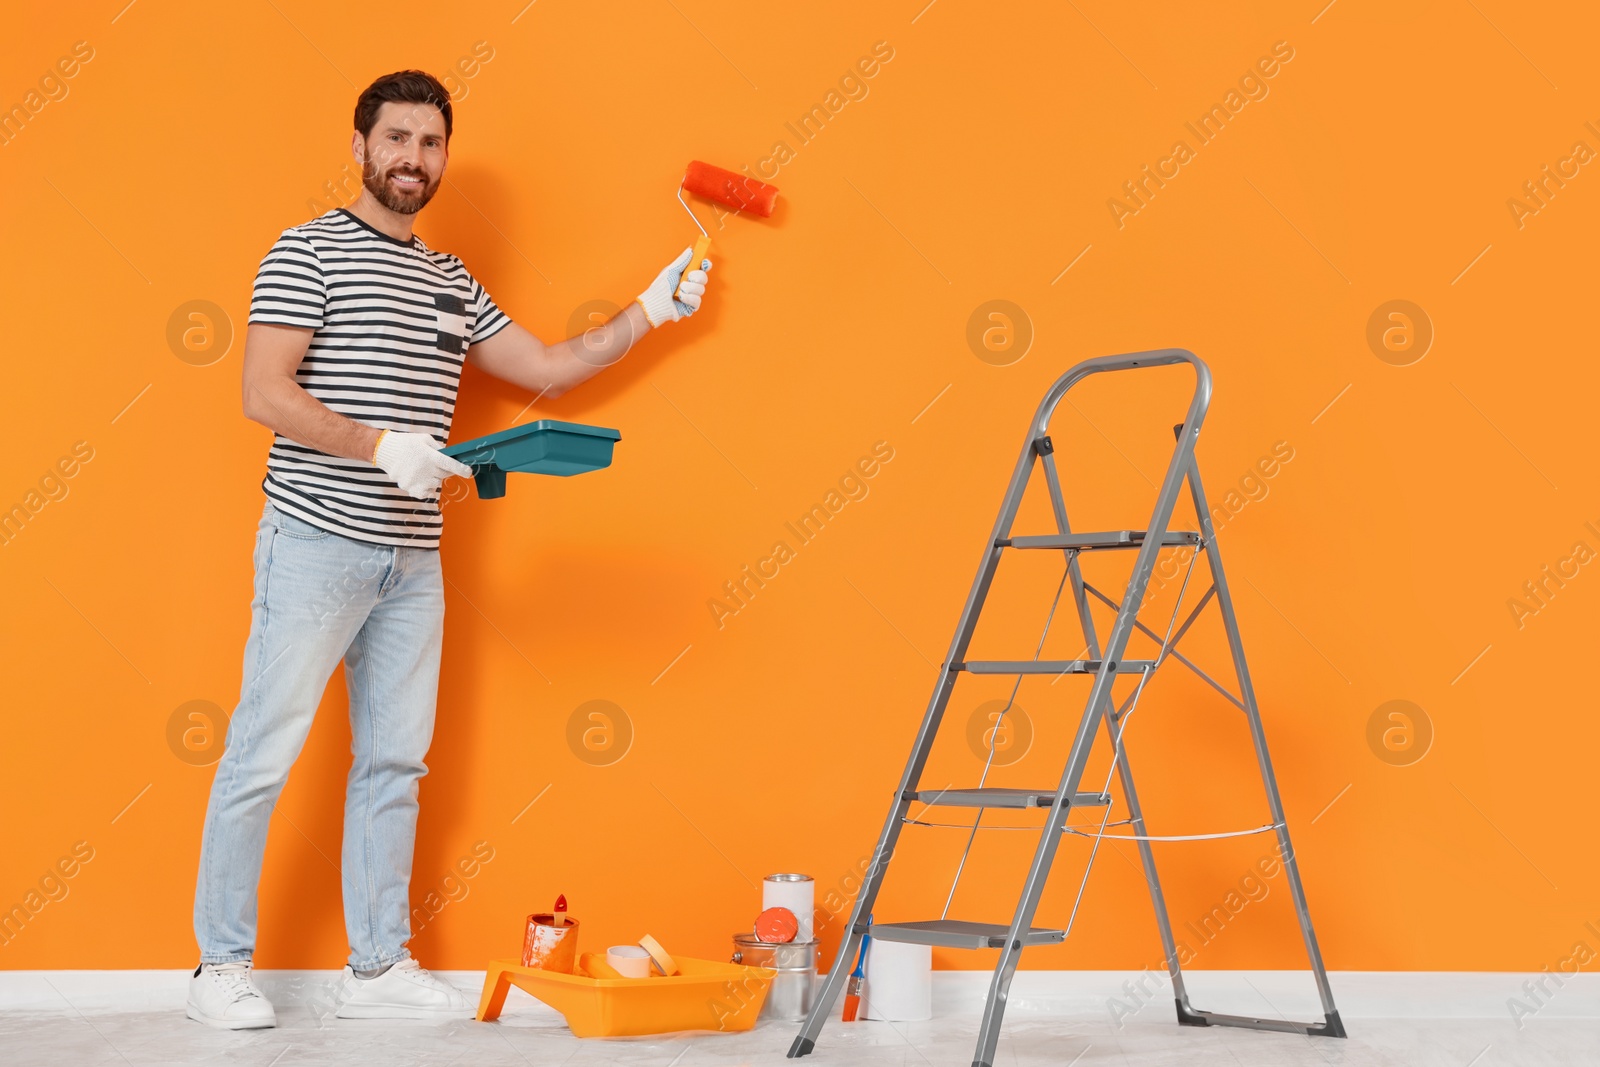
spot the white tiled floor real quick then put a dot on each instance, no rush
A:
(1055, 1020)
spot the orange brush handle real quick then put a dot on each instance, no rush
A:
(701, 244)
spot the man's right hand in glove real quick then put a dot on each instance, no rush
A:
(415, 463)
(665, 301)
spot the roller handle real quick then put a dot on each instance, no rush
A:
(701, 244)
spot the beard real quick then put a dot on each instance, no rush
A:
(400, 200)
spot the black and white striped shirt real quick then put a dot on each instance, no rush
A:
(392, 322)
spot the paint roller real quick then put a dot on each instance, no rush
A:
(728, 189)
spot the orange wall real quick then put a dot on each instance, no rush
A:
(1377, 567)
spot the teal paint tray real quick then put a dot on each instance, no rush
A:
(543, 447)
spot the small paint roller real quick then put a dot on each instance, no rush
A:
(728, 189)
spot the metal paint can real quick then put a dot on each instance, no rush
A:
(794, 986)
(547, 946)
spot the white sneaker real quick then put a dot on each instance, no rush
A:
(225, 995)
(404, 991)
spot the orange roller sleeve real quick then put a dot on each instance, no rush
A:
(734, 190)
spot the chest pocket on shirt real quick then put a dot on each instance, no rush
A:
(451, 314)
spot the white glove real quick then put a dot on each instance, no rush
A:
(657, 301)
(415, 463)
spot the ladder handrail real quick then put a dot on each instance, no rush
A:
(1156, 357)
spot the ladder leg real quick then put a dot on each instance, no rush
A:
(1097, 705)
(1045, 853)
(1050, 837)
(994, 1008)
(1332, 1026)
(1113, 725)
(1119, 752)
(806, 1040)
(872, 879)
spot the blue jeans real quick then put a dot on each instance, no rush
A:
(320, 597)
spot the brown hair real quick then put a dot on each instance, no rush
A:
(402, 87)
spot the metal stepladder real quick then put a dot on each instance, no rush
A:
(1106, 666)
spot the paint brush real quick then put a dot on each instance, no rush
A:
(852, 989)
(560, 911)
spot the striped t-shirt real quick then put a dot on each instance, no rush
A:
(392, 322)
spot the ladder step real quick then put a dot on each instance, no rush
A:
(954, 933)
(1003, 797)
(1051, 666)
(1110, 539)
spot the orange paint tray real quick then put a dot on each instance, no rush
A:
(703, 995)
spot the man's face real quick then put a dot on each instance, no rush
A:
(403, 159)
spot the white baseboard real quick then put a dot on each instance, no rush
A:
(1359, 994)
